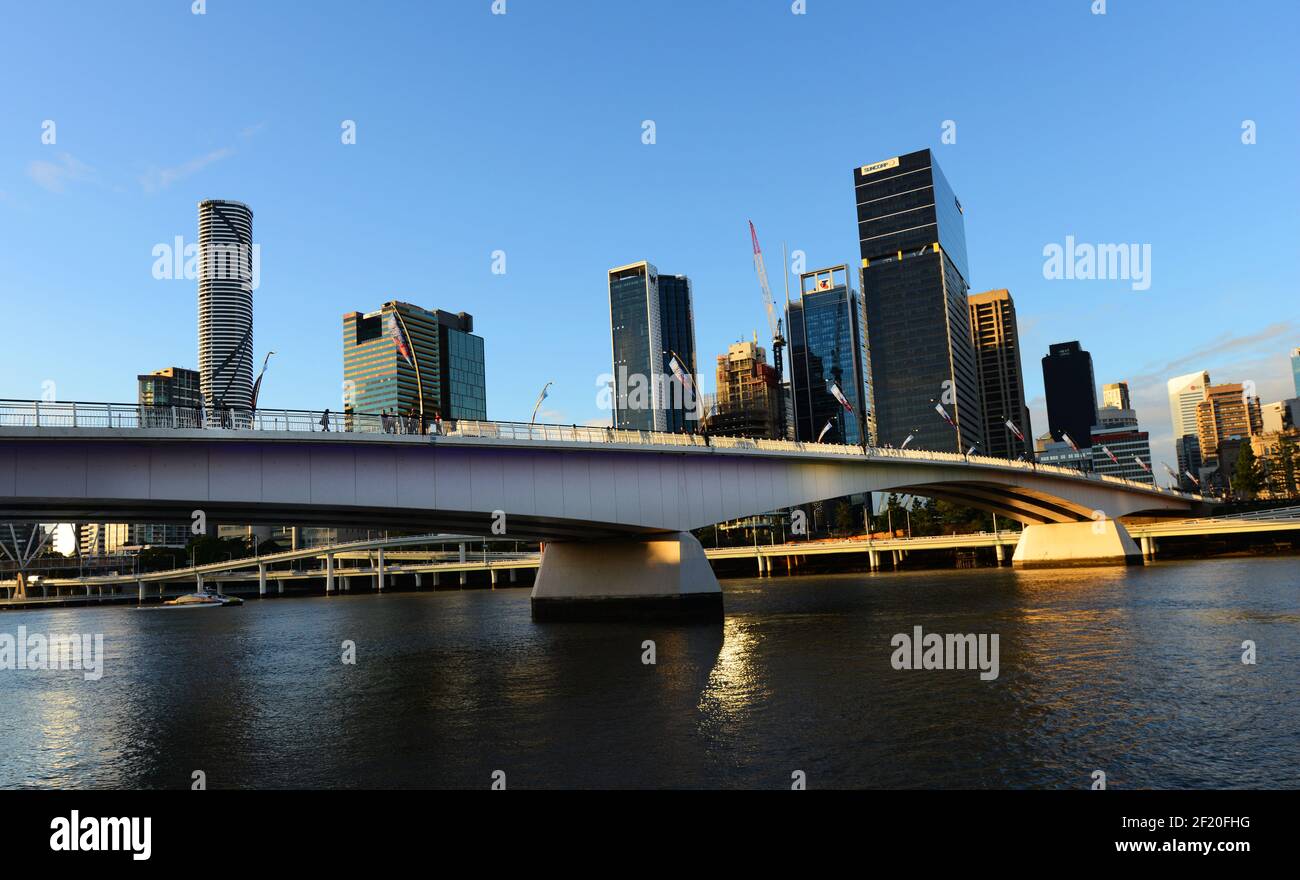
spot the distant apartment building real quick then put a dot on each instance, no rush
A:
(407, 360)
(1115, 395)
(826, 351)
(226, 303)
(1071, 392)
(916, 325)
(1225, 413)
(652, 318)
(746, 401)
(162, 390)
(1001, 379)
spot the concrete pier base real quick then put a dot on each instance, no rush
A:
(1104, 542)
(665, 577)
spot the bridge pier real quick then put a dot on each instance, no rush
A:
(492, 576)
(261, 579)
(662, 577)
(379, 571)
(1049, 545)
(139, 587)
(1148, 547)
(329, 573)
(1000, 553)
(437, 579)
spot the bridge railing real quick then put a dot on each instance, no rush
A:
(34, 414)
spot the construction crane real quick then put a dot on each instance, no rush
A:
(778, 339)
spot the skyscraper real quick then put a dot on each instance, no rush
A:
(404, 359)
(1115, 394)
(1295, 369)
(226, 272)
(1225, 413)
(1002, 388)
(825, 333)
(746, 401)
(1185, 392)
(915, 276)
(651, 319)
(1071, 392)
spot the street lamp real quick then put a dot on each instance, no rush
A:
(537, 406)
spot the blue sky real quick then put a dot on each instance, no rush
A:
(522, 132)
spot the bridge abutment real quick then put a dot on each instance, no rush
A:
(664, 577)
(1049, 545)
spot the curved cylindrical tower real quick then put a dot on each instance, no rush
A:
(225, 274)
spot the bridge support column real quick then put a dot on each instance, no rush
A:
(492, 576)
(663, 577)
(1050, 545)
(1000, 552)
(513, 573)
(261, 579)
(462, 577)
(379, 571)
(139, 588)
(198, 583)
(329, 573)
(437, 578)
(419, 579)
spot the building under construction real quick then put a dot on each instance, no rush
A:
(747, 398)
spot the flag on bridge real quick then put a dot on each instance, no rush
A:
(1109, 453)
(399, 338)
(839, 395)
(938, 407)
(1011, 426)
(823, 433)
(1142, 464)
(905, 442)
(1193, 479)
(1066, 438)
(688, 385)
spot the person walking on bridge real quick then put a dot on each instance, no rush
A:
(325, 420)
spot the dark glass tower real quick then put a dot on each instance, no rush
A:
(1071, 392)
(1002, 388)
(914, 282)
(825, 333)
(651, 317)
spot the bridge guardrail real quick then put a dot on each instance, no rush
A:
(36, 414)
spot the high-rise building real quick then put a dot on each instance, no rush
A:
(1295, 369)
(1115, 395)
(1185, 393)
(912, 241)
(1225, 413)
(226, 271)
(1002, 387)
(1280, 416)
(746, 401)
(651, 319)
(1188, 450)
(163, 389)
(1127, 444)
(403, 359)
(824, 327)
(1071, 392)
(1114, 417)
(1062, 454)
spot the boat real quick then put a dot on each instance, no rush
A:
(203, 599)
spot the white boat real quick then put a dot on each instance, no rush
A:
(203, 599)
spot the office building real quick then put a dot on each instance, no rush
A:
(1114, 417)
(1001, 380)
(824, 327)
(915, 278)
(1126, 443)
(1071, 392)
(1115, 395)
(162, 390)
(404, 359)
(746, 401)
(1295, 369)
(225, 271)
(651, 319)
(1280, 416)
(1225, 413)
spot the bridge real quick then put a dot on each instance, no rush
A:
(614, 507)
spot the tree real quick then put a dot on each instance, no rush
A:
(1286, 465)
(1246, 478)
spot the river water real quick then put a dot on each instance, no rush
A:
(1136, 672)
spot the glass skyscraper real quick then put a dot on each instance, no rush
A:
(445, 375)
(1002, 386)
(1071, 392)
(826, 348)
(651, 318)
(915, 278)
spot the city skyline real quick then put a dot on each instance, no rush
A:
(317, 263)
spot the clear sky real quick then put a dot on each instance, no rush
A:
(523, 133)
